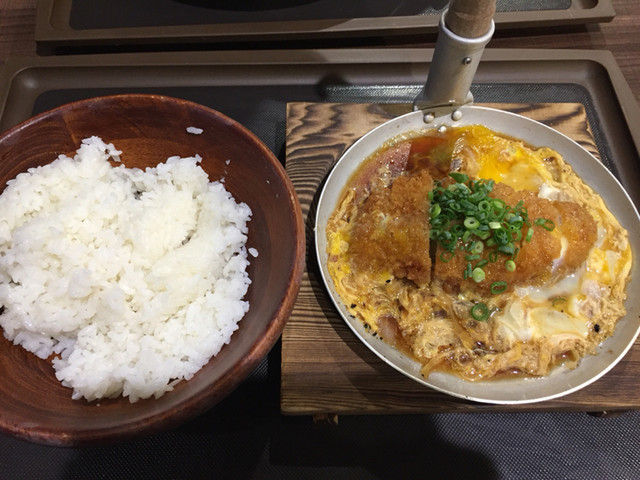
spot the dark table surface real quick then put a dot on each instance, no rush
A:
(245, 436)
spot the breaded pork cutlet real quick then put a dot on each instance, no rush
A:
(391, 232)
(548, 253)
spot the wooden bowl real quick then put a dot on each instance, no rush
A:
(148, 129)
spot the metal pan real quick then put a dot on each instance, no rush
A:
(446, 102)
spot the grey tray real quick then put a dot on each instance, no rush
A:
(245, 436)
(254, 86)
(81, 26)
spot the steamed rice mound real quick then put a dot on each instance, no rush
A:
(130, 280)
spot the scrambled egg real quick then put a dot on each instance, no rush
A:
(562, 299)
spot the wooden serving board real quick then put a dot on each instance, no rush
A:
(326, 369)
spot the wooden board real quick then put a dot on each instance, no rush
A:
(326, 370)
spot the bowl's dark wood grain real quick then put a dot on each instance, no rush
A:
(148, 129)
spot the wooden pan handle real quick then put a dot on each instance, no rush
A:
(470, 18)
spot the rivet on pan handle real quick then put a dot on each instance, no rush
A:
(465, 29)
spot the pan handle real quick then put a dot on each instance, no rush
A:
(466, 27)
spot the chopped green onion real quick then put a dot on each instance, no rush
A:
(498, 204)
(529, 235)
(478, 275)
(446, 256)
(477, 247)
(498, 209)
(498, 287)
(516, 234)
(501, 236)
(507, 249)
(516, 221)
(448, 243)
(545, 223)
(440, 223)
(464, 217)
(484, 206)
(468, 207)
(476, 197)
(468, 271)
(458, 230)
(471, 223)
(479, 312)
(481, 234)
(459, 177)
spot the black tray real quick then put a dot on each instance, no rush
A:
(81, 26)
(254, 87)
(245, 436)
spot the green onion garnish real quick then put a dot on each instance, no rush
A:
(464, 217)
(446, 256)
(477, 247)
(508, 249)
(459, 177)
(498, 287)
(479, 312)
(468, 271)
(471, 223)
(501, 236)
(545, 223)
(529, 235)
(477, 275)
(482, 263)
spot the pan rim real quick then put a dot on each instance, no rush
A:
(560, 381)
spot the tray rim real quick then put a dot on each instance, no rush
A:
(627, 103)
(53, 29)
(600, 59)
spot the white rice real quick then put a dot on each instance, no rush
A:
(134, 279)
